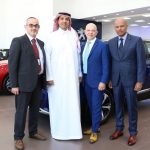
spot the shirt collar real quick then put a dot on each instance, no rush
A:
(123, 37)
(92, 41)
(30, 37)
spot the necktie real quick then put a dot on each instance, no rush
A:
(85, 57)
(36, 51)
(121, 43)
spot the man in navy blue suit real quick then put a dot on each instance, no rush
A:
(127, 76)
(95, 69)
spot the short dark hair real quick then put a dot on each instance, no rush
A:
(31, 18)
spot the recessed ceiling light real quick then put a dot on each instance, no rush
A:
(117, 14)
(134, 25)
(140, 21)
(146, 15)
(127, 18)
(132, 11)
(106, 20)
(148, 23)
(105, 16)
(145, 26)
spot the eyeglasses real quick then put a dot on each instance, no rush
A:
(37, 26)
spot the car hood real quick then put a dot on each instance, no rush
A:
(3, 62)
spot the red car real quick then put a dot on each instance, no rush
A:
(3, 75)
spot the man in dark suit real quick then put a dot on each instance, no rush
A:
(127, 76)
(95, 68)
(26, 64)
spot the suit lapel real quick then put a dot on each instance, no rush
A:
(82, 48)
(42, 48)
(94, 47)
(30, 48)
(126, 46)
(40, 44)
(27, 45)
(116, 47)
(27, 41)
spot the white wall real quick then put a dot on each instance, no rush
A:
(109, 32)
(13, 14)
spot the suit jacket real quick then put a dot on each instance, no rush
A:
(130, 66)
(97, 65)
(23, 65)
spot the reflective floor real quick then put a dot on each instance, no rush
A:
(7, 111)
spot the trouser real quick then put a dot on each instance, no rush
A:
(94, 99)
(120, 91)
(22, 102)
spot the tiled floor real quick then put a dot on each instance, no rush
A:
(6, 132)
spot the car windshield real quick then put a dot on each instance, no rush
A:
(147, 48)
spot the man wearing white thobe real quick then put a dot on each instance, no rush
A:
(63, 75)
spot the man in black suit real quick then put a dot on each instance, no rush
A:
(26, 64)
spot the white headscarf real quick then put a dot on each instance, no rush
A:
(56, 26)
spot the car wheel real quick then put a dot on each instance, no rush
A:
(107, 106)
(5, 89)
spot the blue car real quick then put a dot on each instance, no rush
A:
(108, 104)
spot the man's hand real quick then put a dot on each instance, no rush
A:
(101, 86)
(80, 79)
(51, 82)
(138, 86)
(15, 90)
(110, 84)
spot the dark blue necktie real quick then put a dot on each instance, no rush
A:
(121, 44)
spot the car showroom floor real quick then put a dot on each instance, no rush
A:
(7, 110)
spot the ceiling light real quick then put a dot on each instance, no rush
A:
(117, 14)
(145, 26)
(146, 15)
(134, 25)
(106, 20)
(127, 18)
(148, 23)
(132, 11)
(104, 16)
(140, 21)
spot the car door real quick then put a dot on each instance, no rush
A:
(147, 78)
(145, 92)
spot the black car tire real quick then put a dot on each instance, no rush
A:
(107, 106)
(5, 89)
(107, 109)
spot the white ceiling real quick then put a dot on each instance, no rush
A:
(134, 15)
